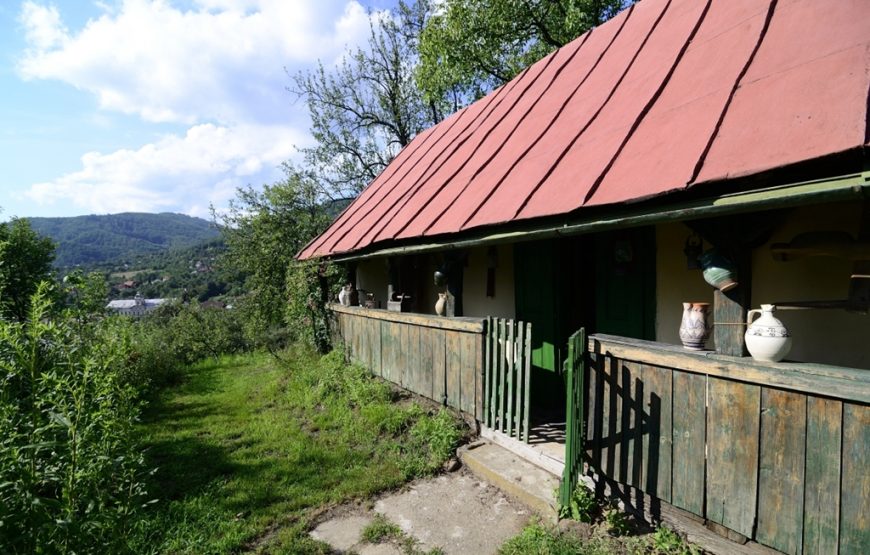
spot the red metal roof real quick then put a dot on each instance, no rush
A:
(667, 95)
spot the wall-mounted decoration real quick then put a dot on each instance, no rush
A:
(719, 271)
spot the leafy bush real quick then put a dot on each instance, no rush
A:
(309, 287)
(582, 505)
(71, 474)
(667, 542)
(539, 540)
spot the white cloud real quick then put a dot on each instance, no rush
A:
(221, 61)
(184, 174)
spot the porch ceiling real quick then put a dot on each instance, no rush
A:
(668, 95)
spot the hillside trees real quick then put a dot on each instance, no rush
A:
(25, 261)
(474, 46)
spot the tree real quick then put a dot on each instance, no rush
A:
(474, 46)
(368, 107)
(263, 231)
(25, 261)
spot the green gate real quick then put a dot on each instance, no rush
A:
(575, 433)
(507, 377)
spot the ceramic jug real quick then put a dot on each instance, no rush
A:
(694, 329)
(767, 338)
(441, 304)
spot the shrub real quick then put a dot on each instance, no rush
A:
(582, 505)
(71, 474)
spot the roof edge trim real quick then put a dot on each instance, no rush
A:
(845, 187)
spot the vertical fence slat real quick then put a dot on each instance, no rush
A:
(500, 381)
(509, 350)
(527, 371)
(487, 361)
(518, 371)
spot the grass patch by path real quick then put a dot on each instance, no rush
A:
(249, 450)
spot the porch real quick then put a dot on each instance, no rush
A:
(765, 454)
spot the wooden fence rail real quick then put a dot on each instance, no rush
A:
(507, 375)
(783, 460)
(438, 358)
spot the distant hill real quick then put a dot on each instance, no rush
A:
(92, 240)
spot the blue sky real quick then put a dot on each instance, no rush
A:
(156, 105)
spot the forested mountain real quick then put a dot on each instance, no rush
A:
(92, 240)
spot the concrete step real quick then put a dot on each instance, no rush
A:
(528, 483)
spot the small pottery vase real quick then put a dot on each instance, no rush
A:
(767, 338)
(441, 304)
(718, 270)
(694, 330)
(344, 296)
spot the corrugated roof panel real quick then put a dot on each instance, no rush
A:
(580, 112)
(665, 148)
(632, 109)
(442, 188)
(804, 96)
(573, 176)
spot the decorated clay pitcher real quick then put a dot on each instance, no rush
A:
(766, 338)
(694, 330)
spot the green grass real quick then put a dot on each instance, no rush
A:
(249, 451)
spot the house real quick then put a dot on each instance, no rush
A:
(135, 307)
(580, 195)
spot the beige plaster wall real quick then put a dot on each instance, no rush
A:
(826, 336)
(372, 276)
(823, 336)
(674, 283)
(474, 299)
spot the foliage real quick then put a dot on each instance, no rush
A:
(91, 240)
(367, 107)
(263, 231)
(25, 261)
(474, 46)
(582, 507)
(616, 521)
(177, 335)
(537, 539)
(249, 448)
(70, 470)
(380, 530)
(310, 285)
(667, 542)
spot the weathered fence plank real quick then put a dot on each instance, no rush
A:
(657, 431)
(855, 494)
(781, 473)
(822, 490)
(689, 437)
(454, 367)
(469, 367)
(732, 454)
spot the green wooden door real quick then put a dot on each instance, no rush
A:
(625, 283)
(536, 272)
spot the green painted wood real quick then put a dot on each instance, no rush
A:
(781, 473)
(501, 376)
(493, 390)
(454, 368)
(415, 373)
(527, 369)
(518, 350)
(732, 454)
(404, 353)
(487, 370)
(689, 440)
(468, 371)
(657, 431)
(438, 343)
(511, 372)
(377, 341)
(574, 432)
(593, 405)
(822, 476)
(855, 492)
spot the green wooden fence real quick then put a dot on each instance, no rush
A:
(508, 347)
(575, 425)
(777, 452)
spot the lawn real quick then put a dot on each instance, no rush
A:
(248, 451)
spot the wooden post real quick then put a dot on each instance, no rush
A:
(729, 311)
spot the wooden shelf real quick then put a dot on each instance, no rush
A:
(475, 325)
